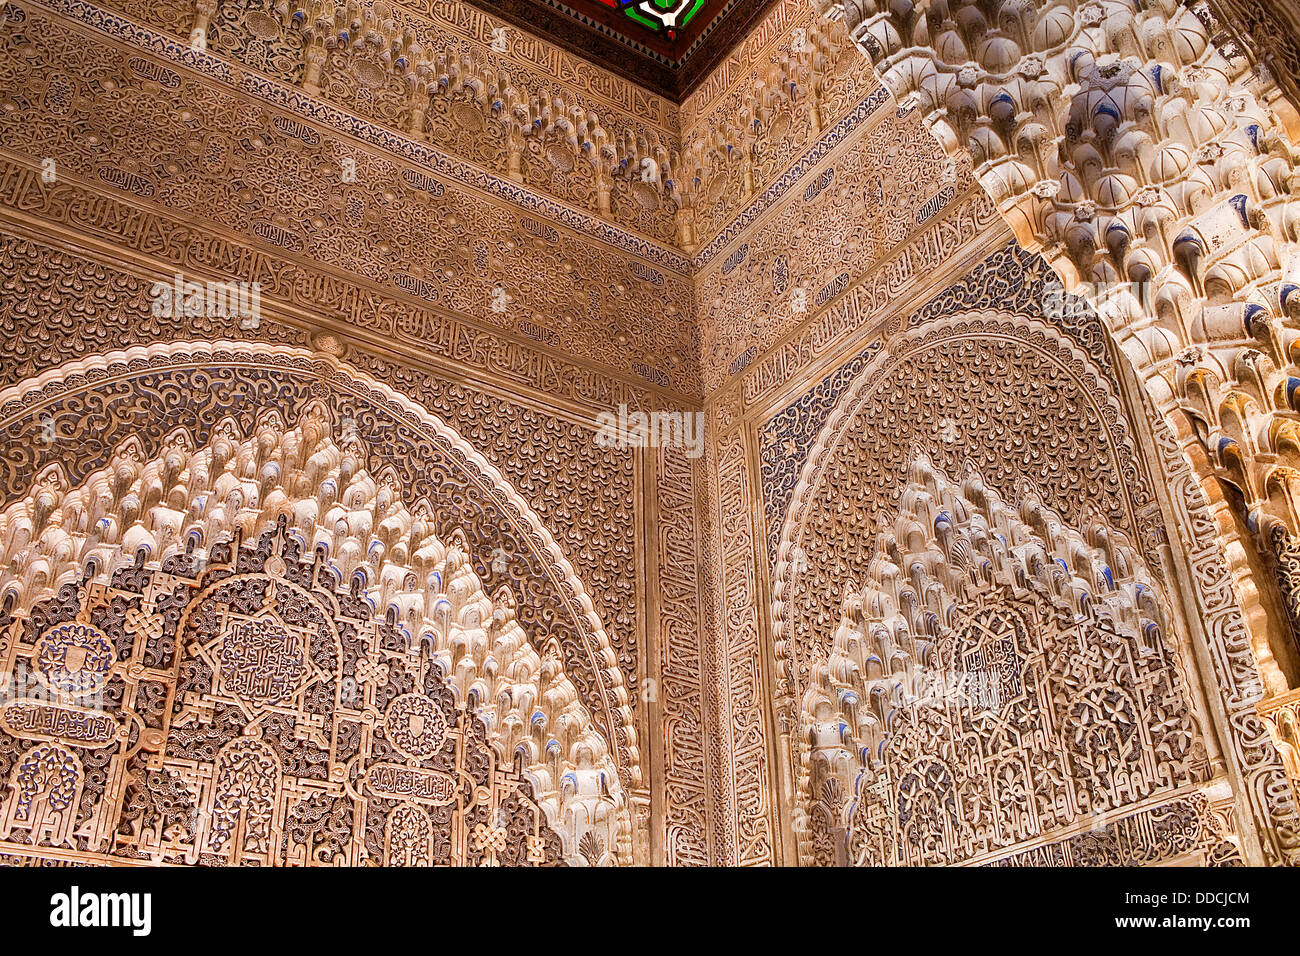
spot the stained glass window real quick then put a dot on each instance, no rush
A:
(666, 16)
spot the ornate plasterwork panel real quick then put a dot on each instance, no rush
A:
(335, 689)
(998, 677)
(1152, 161)
(852, 209)
(1079, 355)
(1032, 406)
(465, 28)
(1019, 283)
(57, 305)
(742, 785)
(578, 139)
(679, 692)
(799, 84)
(226, 381)
(584, 493)
(228, 178)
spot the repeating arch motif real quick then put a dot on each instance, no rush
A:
(1073, 437)
(1153, 163)
(999, 677)
(280, 611)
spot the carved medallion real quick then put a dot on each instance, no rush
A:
(74, 659)
(416, 726)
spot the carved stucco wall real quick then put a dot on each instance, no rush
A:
(810, 260)
(981, 377)
(1040, 407)
(591, 507)
(199, 164)
(287, 648)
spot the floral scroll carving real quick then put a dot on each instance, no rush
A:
(289, 663)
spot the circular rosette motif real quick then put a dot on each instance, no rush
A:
(416, 726)
(74, 659)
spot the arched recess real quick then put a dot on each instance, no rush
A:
(998, 678)
(320, 626)
(1030, 416)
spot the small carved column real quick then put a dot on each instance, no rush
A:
(418, 111)
(603, 188)
(515, 154)
(685, 220)
(640, 803)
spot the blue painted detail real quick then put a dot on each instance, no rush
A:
(1251, 312)
(1288, 289)
(1239, 203)
(1292, 383)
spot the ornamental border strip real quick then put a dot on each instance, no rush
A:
(296, 100)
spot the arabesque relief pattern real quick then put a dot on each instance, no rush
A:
(1056, 359)
(998, 676)
(397, 65)
(294, 670)
(481, 638)
(1137, 146)
(118, 396)
(216, 178)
